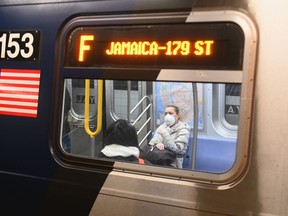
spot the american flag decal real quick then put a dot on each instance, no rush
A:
(19, 91)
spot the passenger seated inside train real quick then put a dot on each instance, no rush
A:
(173, 134)
(121, 143)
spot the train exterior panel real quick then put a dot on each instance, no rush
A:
(239, 165)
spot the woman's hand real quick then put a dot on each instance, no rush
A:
(160, 146)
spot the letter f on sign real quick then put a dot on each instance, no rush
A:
(83, 47)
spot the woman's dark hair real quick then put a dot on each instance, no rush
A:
(121, 132)
(175, 108)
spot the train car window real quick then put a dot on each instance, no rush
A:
(76, 89)
(225, 115)
(125, 94)
(125, 85)
(232, 103)
(126, 71)
(209, 141)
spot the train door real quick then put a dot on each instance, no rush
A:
(73, 130)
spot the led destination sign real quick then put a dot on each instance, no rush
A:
(189, 46)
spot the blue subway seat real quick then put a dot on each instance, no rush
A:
(216, 155)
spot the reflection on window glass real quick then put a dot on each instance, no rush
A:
(141, 116)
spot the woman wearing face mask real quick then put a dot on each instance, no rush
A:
(173, 134)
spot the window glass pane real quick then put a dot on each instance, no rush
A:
(144, 105)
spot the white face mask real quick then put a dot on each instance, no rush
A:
(169, 120)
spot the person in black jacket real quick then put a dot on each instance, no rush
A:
(121, 142)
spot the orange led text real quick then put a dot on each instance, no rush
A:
(83, 47)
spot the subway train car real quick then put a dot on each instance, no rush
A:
(70, 69)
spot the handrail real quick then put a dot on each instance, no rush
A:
(195, 124)
(139, 103)
(145, 123)
(140, 116)
(87, 108)
(145, 137)
(148, 107)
